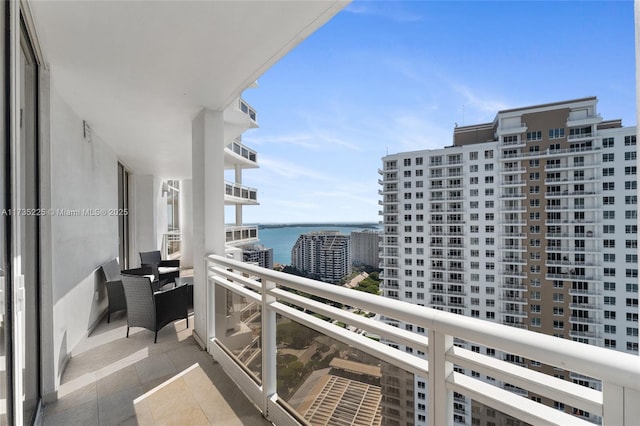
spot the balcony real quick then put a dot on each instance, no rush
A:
(241, 234)
(114, 380)
(227, 279)
(583, 120)
(247, 109)
(241, 154)
(238, 194)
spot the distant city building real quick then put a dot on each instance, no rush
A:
(364, 247)
(325, 255)
(529, 221)
(259, 255)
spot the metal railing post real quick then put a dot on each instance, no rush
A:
(620, 405)
(269, 364)
(440, 399)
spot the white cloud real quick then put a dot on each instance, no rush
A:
(290, 170)
(394, 12)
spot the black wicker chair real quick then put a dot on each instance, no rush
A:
(168, 270)
(153, 309)
(113, 283)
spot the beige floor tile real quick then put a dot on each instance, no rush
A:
(82, 414)
(143, 413)
(80, 396)
(108, 379)
(117, 407)
(123, 379)
(154, 367)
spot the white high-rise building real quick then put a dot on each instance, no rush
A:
(364, 247)
(530, 220)
(324, 254)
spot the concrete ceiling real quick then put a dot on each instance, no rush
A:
(139, 71)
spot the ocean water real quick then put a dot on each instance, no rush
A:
(282, 238)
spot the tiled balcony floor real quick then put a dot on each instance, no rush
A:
(112, 380)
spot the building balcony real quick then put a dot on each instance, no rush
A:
(570, 249)
(516, 274)
(241, 114)
(565, 194)
(507, 234)
(514, 299)
(237, 153)
(586, 120)
(511, 129)
(517, 260)
(513, 182)
(238, 194)
(516, 143)
(573, 263)
(509, 170)
(513, 247)
(582, 136)
(571, 236)
(572, 166)
(513, 209)
(582, 320)
(618, 370)
(589, 207)
(573, 277)
(514, 313)
(241, 234)
(519, 196)
(574, 179)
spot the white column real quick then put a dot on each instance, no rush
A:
(186, 223)
(145, 215)
(238, 207)
(208, 211)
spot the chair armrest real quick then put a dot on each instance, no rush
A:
(171, 304)
(170, 263)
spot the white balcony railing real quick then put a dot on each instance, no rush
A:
(241, 234)
(240, 193)
(243, 151)
(286, 295)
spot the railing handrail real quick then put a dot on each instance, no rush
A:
(608, 365)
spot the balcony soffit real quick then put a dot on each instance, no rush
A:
(138, 72)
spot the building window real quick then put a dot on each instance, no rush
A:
(630, 155)
(534, 136)
(608, 171)
(607, 142)
(630, 184)
(556, 133)
(630, 170)
(535, 322)
(488, 154)
(630, 140)
(608, 157)
(608, 186)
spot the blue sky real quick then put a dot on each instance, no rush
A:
(387, 77)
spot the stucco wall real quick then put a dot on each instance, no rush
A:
(83, 176)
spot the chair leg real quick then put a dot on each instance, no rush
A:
(155, 339)
(127, 332)
(187, 320)
(108, 317)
